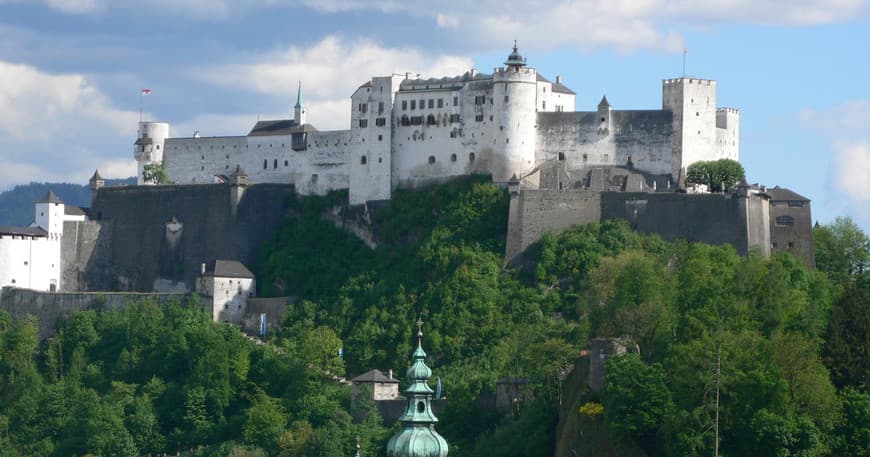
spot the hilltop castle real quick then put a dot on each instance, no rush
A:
(408, 132)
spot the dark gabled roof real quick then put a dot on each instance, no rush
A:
(227, 269)
(72, 210)
(50, 197)
(96, 176)
(411, 84)
(279, 127)
(28, 231)
(780, 193)
(557, 86)
(374, 376)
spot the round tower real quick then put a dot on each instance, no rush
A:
(148, 148)
(514, 108)
(418, 437)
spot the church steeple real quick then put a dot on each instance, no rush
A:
(418, 437)
(299, 109)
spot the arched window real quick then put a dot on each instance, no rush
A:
(431, 159)
(471, 157)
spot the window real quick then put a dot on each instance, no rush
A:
(380, 138)
(404, 105)
(562, 156)
(784, 221)
(796, 203)
(430, 120)
(790, 244)
(422, 103)
(454, 118)
(453, 157)
(380, 107)
(455, 101)
(506, 99)
(363, 107)
(479, 99)
(406, 120)
(314, 178)
(381, 121)
(265, 164)
(431, 160)
(275, 164)
(416, 120)
(544, 104)
(413, 104)
(478, 118)
(286, 163)
(363, 160)
(363, 123)
(471, 157)
(431, 103)
(441, 103)
(158, 147)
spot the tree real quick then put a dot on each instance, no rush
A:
(636, 400)
(847, 343)
(155, 173)
(842, 250)
(716, 173)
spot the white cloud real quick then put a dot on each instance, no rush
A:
(330, 72)
(623, 24)
(58, 126)
(845, 127)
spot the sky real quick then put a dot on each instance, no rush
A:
(71, 72)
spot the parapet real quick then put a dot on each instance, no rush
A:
(728, 110)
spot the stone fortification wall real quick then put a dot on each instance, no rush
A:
(168, 231)
(86, 253)
(275, 309)
(708, 218)
(534, 212)
(583, 140)
(48, 307)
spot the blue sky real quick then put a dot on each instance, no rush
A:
(71, 72)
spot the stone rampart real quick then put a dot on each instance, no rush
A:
(709, 218)
(48, 307)
(166, 232)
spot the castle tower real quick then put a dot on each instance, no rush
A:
(371, 132)
(514, 100)
(299, 108)
(605, 111)
(693, 104)
(238, 184)
(148, 148)
(418, 437)
(49, 214)
(95, 184)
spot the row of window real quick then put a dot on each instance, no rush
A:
(432, 103)
(453, 158)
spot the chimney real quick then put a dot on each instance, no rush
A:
(202, 268)
(391, 373)
(558, 79)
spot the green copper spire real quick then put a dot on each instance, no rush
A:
(299, 102)
(418, 437)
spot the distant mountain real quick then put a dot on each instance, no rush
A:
(16, 205)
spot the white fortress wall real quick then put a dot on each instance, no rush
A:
(323, 165)
(198, 160)
(31, 262)
(515, 98)
(447, 140)
(582, 142)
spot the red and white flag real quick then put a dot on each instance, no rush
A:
(146, 91)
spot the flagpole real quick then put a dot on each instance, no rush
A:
(685, 51)
(141, 99)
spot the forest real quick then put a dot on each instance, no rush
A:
(747, 354)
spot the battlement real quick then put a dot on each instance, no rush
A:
(727, 110)
(696, 81)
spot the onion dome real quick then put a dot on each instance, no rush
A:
(515, 59)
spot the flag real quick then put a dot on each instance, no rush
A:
(438, 389)
(146, 91)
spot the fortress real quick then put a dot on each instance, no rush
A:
(408, 132)
(226, 195)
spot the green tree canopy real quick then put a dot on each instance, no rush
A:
(716, 173)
